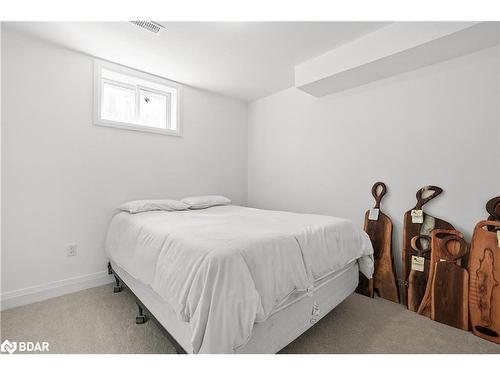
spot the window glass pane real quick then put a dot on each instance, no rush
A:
(118, 103)
(153, 109)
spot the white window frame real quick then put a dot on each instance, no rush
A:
(174, 86)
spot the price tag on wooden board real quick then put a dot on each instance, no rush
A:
(417, 216)
(373, 214)
(417, 263)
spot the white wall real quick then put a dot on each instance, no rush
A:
(62, 177)
(438, 125)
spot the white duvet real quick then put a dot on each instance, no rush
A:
(225, 268)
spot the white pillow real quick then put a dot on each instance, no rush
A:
(134, 207)
(206, 201)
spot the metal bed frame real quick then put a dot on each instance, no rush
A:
(144, 314)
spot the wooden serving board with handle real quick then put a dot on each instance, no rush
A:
(438, 236)
(484, 284)
(493, 209)
(365, 286)
(417, 279)
(450, 286)
(379, 229)
(412, 229)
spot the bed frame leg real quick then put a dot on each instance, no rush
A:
(141, 318)
(117, 288)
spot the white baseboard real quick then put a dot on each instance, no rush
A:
(42, 292)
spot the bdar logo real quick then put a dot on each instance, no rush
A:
(24, 346)
(9, 347)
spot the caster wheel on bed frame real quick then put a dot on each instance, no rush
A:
(141, 318)
(117, 288)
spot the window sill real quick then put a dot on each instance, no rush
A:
(137, 128)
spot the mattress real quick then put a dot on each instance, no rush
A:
(267, 337)
(224, 269)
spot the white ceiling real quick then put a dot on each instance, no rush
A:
(246, 60)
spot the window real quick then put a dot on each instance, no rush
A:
(130, 99)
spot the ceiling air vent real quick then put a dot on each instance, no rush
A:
(150, 26)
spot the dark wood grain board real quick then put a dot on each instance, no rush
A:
(380, 233)
(417, 280)
(438, 236)
(411, 230)
(365, 286)
(493, 209)
(484, 283)
(450, 286)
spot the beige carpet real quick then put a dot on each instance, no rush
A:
(98, 321)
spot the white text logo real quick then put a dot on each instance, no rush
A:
(24, 346)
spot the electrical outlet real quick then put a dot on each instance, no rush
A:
(71, 250)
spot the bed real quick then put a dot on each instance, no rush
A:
(232, 279)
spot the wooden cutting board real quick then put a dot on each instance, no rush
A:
(450, 286)
(365, 286)
(493, 208)
(411, 229)
(417, 279)
(378, 226)
(484, 284)
(437, 253)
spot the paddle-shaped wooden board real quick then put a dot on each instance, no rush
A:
(365, 286)
(493, 208)
(378, 226)
(419, 273)
(412, 229)
(450, 286)
(484, 283)
(438, 236)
